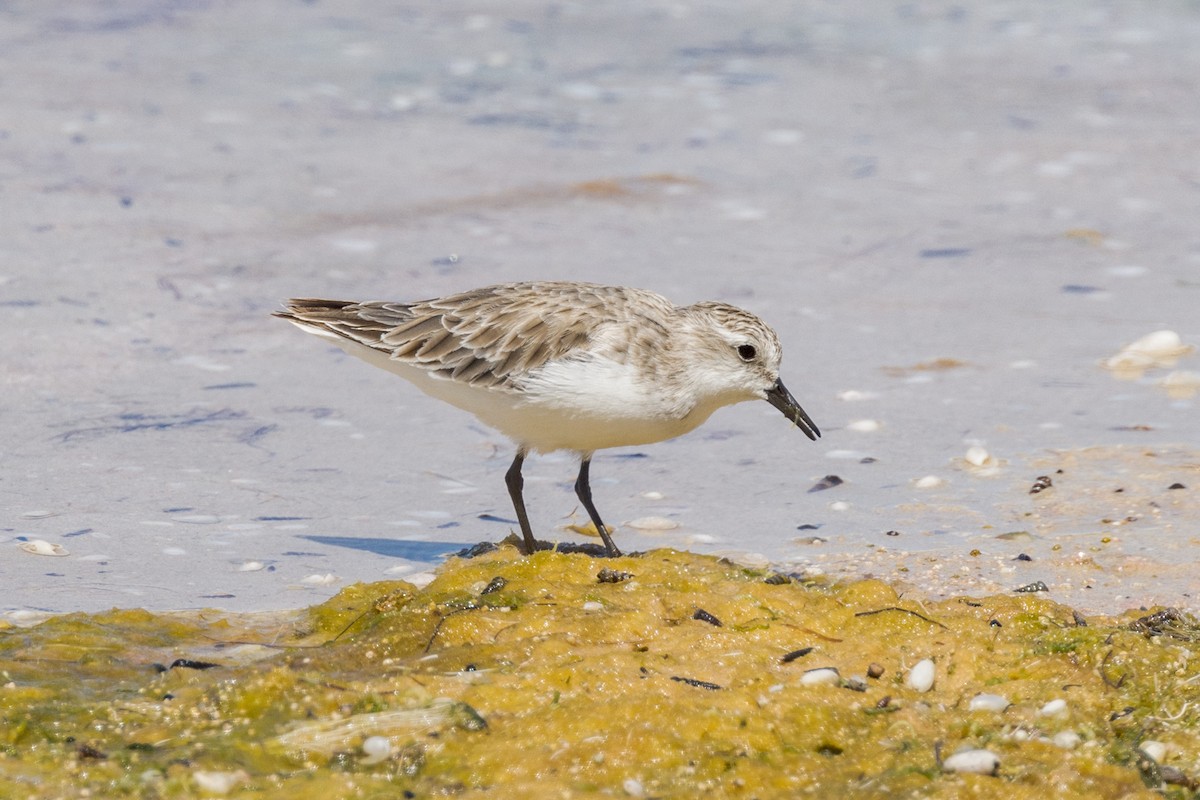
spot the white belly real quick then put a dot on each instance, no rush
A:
(583, 405)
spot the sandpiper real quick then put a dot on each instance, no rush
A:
(558, 365)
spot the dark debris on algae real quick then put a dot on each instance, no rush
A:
(533, 677)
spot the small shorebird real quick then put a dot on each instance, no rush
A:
(557, 365)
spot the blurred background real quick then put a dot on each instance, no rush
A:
(955, 216)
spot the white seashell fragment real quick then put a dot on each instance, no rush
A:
(653, 524)
(865, 425)
(928, 482)
(1158, 349)
(977, 456)
(218, 783)
(320, 580)
(839, 505)
(592, 605)
(855, 395)
(633, 787)
(1067, 740)
(653, 495)
(988, 702)
(1157, 751)
(922, 675)
(1054, 708)
(375, 749)
(821, 676)
(40, 547)
(976, 762)
(251, 566)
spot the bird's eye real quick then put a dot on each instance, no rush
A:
(747, 352)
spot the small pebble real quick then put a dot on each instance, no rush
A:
(376, 749)
(922, 675)
(218, 783)
(1067, 740)
(976, 762)
(633, 787)
(1054, 708)
(977, 456)
(592, 605)
(874, 670)
(1157, 751)
(988, 702)
(822, 676)
(607, 575)
(828, 482)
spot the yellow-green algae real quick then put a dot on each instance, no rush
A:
(554, 684)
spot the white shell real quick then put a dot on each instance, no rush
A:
(977, 456)
(1053, 708)
(1158, 349)
(1155, 750)
(988, 702)
(1160, 344)
(821, 676)
(865, 425)
(653, 524)
(320, 580)
(922, 675)
(928, 482)
(592, 605)
(1067, 740)
(976, 762)
(218, 783)
(633, 787)
(251, 566)
(40, 547)
(376, 749)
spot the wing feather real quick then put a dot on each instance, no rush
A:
(487, 337)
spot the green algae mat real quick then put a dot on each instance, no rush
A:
(660, 675)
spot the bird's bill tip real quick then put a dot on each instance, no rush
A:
(781, 398)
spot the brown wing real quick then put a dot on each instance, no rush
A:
(485, 337)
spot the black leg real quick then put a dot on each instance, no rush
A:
(515, 484)
(583, 490)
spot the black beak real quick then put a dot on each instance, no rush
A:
(781, 398)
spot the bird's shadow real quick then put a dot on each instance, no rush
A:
(437, 552)
(427, 552)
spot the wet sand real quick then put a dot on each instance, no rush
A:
(952, 217)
